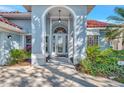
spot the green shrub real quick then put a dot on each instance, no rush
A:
(93, 53)
(101, 62)
(16, 56)
(28, 55)
(119, 54)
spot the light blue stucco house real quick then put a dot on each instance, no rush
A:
(55, 30)
(60, 31)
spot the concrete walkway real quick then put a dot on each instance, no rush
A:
(54, 74)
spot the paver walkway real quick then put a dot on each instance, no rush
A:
(53, 74)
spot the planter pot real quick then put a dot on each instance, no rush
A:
(121, 63)
(28, 60)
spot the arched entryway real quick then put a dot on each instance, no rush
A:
(59, 37)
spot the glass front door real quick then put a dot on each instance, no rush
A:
(59, 44)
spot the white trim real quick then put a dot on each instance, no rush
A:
(93, 32)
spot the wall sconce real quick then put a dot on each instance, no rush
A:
(9, 36)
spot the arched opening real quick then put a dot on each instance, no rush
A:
(59, 36)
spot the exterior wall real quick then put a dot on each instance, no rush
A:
(38, 33)
(38, 43)
(7, 44)
(25, 24)
(101, 41)
(117, 44)
(26, 27)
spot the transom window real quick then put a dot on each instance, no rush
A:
(92, 40)
(60, 30)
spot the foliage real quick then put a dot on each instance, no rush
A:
(119, 79)
(119, 54)
(116, 31)
(17, 56)
(101, 62)
(28, 55)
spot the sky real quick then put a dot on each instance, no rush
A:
(8, 8)
(99, 12)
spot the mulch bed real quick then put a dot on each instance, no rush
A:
(22, 64)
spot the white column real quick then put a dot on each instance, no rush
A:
(23, 42)
(50, 38)
(38, 41)
(69, 41)
(80, 39)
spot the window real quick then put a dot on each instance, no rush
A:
(53, 43)
(66, 44)
(47, 42)
(92, 40)
(60, 30)
(28, 43)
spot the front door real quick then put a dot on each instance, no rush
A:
(59, 44)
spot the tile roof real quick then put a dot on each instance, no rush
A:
(96, 24)
(11, 12)
(8, 22)
(16, 15)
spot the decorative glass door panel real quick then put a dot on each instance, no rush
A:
(60, 44)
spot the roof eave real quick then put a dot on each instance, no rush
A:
(9, 28)
(89, 8)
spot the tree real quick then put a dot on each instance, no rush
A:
(116, 31)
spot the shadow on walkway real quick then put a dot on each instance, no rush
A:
(70, 77)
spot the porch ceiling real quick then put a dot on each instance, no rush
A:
(55, 12)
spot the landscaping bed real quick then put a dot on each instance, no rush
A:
(119, 79)
(19, 58)
(102, 63)
(21, 64)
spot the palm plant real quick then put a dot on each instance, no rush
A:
(116, 31)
